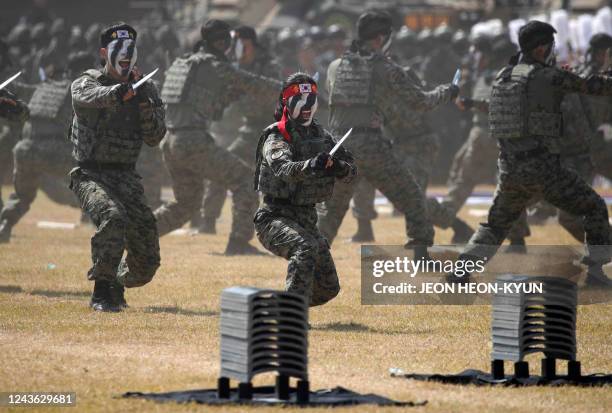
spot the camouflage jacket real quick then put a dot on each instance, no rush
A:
(211, 84)
(107, 130)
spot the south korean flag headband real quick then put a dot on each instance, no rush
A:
(122, 52)
(300, 104)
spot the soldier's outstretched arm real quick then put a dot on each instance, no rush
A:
(277, 153)
(399, 86)
(568, 82)
(152, 114)
(88, 93)
(249, 83)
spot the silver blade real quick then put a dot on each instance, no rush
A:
(457, 77)
(335, 148)
(9, 80)
(144, 79)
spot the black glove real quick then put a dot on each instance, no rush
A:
(454, 91)
(339, 169)
(318, 162)
(467, 103)
(122, 90)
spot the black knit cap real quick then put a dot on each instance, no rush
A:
(372, 23)
(601, 41)
(115, 31)
(214, 30)
(534, 34)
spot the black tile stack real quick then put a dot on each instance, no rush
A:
(533, 321)
(263, 331)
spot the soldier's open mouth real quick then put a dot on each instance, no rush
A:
(125, 64)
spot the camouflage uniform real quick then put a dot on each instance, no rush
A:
(475, 162)
(11, 125)
(43, 152)
(286, 224)
(255, 117)
(525, 118)
(363, 88)
(416, 147)
(151, 167)
(198, 88)
(107, 135)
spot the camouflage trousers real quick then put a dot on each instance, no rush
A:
(542, 177)
(244, 147)
(44, 164)
(475, 163)
(151, 167)
(376, 162)
(9, 136)
(291, 232)
(116, 204)
(191, 157)
(418, 155)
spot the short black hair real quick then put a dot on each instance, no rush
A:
(534, 34)
(214, 30)
(115, 31)
(600, 41)
(246, 33)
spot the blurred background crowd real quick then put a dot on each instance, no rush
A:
(434, 37)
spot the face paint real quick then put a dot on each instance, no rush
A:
(122, 55)
(303, 106)
(551, 57)
(238, 49)
(387, 43)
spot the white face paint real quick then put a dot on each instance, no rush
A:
(238, 49)
(303, 107)
(122, 55)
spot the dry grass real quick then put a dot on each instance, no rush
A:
(168, 339)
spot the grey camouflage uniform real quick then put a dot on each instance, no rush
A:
(107, 135)
(255, 117)
(364, 86)
(197, 90)
(286, 224)
(44, 152)
(525, 117)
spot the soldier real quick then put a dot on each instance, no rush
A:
(197, 89)
(252, 57)
(111, 121)
(582, 116)
(44, 151)
(364, 85)
(416, 146)
(294, 171)
(474, 163)
(525, 118)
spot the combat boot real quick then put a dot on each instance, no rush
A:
(5, 231)
(462, 232)
(420, 251)
(596, 277)
(238, 247)
(117, 294)
(364, 233)
(208, 226)
(101, 299)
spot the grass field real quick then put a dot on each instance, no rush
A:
(168, 339)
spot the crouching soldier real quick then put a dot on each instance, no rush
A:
(111, 121)
(294, 171)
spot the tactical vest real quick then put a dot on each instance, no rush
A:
(192, 80)
(310, 191)
(109, 135)
(50, 101)
(481, 92)
(517, 100)
(352, 90)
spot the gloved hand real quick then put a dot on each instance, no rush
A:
(339, 169)
(454, 92)
(125, 92)
(319, 162)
